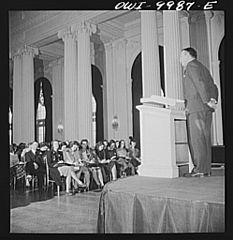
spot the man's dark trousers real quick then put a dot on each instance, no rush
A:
(199, 138)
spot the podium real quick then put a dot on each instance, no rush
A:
(163, 136)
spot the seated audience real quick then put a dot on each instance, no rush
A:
(107, 161)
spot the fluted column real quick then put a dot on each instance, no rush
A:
(150, 54)
(109, 89)
(84, 30)
(58, 97)
(17, 100)
(217, 124)
(70, 85)
(28, 108)
(172, 48)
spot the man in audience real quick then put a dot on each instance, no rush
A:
(34, 166)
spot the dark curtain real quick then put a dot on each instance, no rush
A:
(222, 82)
(47, 92)
(97, 92)
(11, 98)
(161, 66)
(136, 75)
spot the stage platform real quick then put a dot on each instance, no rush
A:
(138, 204)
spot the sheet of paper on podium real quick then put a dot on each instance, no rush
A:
(171, 103)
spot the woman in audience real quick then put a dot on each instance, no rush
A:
(21, 150)
(117, 143)
(89, 159)
(72, 156)
(134, 154)
(62, 148)
(57, 167)
(123, 159)
(111, 153)
(105, 143)
(109, 167)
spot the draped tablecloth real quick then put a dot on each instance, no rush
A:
(139, 204)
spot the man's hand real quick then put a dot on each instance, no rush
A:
(212, 103)
(35, 165)
(103, 161)
(186, 111)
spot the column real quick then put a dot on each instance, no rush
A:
(109, 89)
(172, 48)
(58, 97)
(150, 54)
(17, 100)
(27, 95)
(120, 88)
(84, 30)
(70, 85)
(217, 125)
(184, 30)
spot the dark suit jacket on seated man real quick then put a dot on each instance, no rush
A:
(201, 96)
(34, 165)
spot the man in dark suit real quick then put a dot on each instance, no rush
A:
(201, 96)
(34, 164)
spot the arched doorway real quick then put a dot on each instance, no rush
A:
(97, 91)
(43, 85)
(10, 115)
(136, 76)
(218, 151)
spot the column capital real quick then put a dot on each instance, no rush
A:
(29, 50)
(83, 27)
(183, 14)
(208, 14)
(147, 11)
(15, 55)
(196, 16)
(26, 50)
(65, 33)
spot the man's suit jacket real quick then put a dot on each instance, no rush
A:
(30, 158)
(199, 87)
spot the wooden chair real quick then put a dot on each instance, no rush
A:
(19, 173)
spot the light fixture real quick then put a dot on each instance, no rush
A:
(115, 123)
(60, 127)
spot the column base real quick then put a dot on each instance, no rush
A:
(159, 171)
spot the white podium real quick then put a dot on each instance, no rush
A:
(158, 139)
